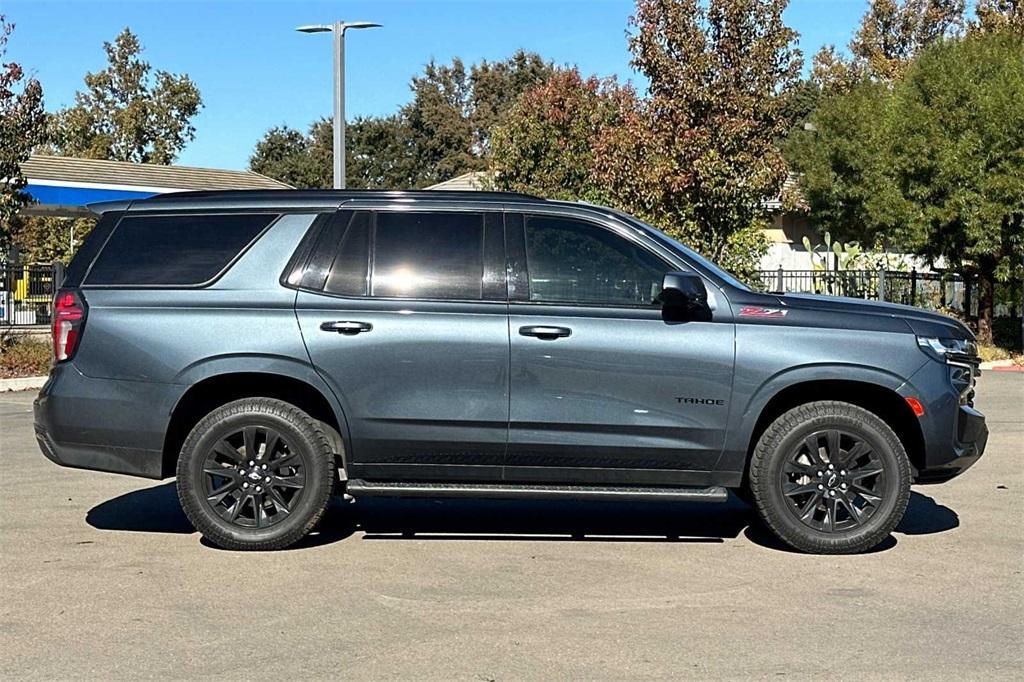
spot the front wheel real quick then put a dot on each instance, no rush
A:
(255, 474)
(830, 478)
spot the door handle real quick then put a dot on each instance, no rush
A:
(547, 333)
(346, 327)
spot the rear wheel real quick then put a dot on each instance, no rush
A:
(830, 478)
(255, 474)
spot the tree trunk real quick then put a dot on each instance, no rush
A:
(986, 302)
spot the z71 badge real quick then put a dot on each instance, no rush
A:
(751, 311)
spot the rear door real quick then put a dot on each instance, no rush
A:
(404, 312)
(604, 390)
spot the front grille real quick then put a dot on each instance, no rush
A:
(963, 376)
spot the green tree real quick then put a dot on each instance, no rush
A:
(124, 114)
(699, 158)
(454, 110)
(284, 154)
(440, 125)
(22, 126)
(841, 159)
(48, 239)
(801, 103)
(933, 165)
(376, 154)
(496, 87)
(956, 142)
(444, 131)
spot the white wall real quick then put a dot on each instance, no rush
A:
(795, 257)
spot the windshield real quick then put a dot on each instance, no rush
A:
(692, 255)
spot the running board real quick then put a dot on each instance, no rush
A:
(357, 487)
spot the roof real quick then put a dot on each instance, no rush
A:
(472, 181)
(64, 185)
(145, 176)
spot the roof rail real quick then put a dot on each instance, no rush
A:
(338, 194)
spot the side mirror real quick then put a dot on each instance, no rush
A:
(683, 290)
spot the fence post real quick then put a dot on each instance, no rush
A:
(58, 275)
(881, 283)
(779, 286)
(913, 286)
(967, 295)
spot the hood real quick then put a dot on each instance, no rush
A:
(921, 322)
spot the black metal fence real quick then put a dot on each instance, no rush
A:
(26, 293)
(931, 290)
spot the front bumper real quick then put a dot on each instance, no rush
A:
(943, 462)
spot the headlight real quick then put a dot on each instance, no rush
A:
(962, 357)
(945, 350)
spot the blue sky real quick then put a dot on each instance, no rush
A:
(255, 72)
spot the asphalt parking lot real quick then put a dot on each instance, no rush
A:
(104, 577)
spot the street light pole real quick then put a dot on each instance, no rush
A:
(338, 28)
(339, 105)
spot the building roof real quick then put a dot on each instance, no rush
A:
(63, 185)
(143, 175)
(472, 181)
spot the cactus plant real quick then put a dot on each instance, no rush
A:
(832, 280)
(846, 253)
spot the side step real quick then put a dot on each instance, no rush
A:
(357, 487)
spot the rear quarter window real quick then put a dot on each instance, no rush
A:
(182, 250)
(91, 246)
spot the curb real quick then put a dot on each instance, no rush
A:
(1002, 366)
(22, 384)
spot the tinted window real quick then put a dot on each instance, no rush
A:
(571, 261)
(173, 250)
(428, 255)
(298, 264)
(90, 247)
(348, 273)
(679, 247)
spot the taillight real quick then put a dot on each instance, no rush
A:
(68, 318)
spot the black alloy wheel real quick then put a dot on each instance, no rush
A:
(253, 478)
(833, 480)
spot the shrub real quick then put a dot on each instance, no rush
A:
(23, 357)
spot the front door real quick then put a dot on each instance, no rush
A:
(405, 317)
(603, 389)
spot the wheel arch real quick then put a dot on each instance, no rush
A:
(214, 390)
(881, 400)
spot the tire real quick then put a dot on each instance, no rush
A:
(821, 503)
(255, 474)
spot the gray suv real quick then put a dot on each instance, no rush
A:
(271, 349)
